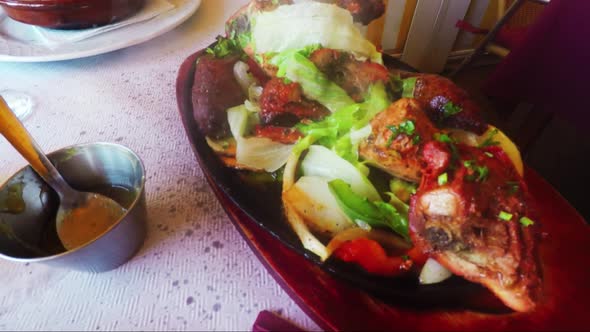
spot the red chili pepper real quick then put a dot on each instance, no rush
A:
(372, 257)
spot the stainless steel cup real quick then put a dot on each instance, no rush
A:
(28, 208)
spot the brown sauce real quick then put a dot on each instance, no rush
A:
(87, 223)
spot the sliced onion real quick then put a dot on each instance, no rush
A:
(433, 272)
(255, 152)
(309, 241)
(356, 136)
(226, 147)
(262, 153)
(254, 93)
(245, 80)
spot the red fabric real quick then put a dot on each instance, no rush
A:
(511, 37)
(466, 26)
(507, 36)
(550, 66)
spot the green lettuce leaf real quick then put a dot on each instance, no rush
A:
(315, 85)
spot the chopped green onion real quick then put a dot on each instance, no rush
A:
(513, 186)
(489, 141)
(505, 216)
(489, 154)
(394, 134)
(469, 163)
(450, 109)
(526, 222)
(407, 127)
(416, 139)
(224, 47)
(443, 138)
(483, 172)
(443, 179)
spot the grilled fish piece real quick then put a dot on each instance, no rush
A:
(398, 133)
(471, 213)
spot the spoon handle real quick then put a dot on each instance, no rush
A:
(21, 140)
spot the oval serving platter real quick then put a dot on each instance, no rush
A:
(453, 304)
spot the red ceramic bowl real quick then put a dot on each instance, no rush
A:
(70, 14)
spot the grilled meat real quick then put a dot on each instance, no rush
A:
(284, 135)
(448, 106)
(467, 215)
(363, 11)
(215, 89)
(283, 104)
(352, 75)
(393, 145)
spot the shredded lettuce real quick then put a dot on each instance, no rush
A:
(315, 84)
(343, 129)
(325, 24)
(224, 47)
(255, 152)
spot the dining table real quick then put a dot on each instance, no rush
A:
(194, 270)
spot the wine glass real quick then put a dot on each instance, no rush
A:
(19, 102)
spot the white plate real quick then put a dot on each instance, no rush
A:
(16, 48)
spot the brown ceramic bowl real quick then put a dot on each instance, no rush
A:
(70, 14)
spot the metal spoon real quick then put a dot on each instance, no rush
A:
(81, 216)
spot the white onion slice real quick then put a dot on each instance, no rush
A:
(245, 80)
(433, 272)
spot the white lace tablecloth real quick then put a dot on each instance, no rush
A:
(194, 272)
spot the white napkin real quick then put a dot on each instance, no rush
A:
(53, 38)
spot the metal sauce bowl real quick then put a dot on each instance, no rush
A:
(28, 207)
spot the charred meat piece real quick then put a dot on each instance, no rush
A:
(283, 135)
(467, 215)
(448, 105)
(215, 89)
(395, 143)
(350, 74)
(363, 11)
(283, 104)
